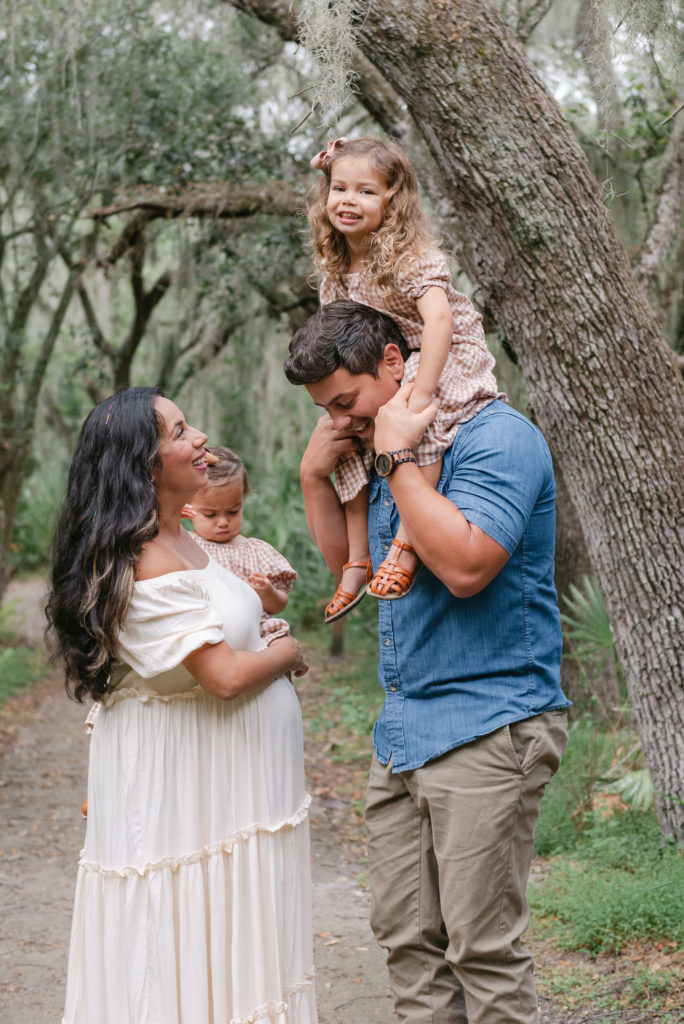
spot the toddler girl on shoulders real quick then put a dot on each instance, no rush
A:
(371, 244)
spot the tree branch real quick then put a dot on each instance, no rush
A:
(127, 239)
(145, 304)
(10, 351)
(208, 352)
(668, 214)
(53, 415)
(528, 21)
(96, 335)
(372, 90)
(594, 45)
(219, 201)
(46, 348)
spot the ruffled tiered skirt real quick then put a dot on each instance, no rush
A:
(193, 894)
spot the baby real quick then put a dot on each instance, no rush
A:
(216, 514)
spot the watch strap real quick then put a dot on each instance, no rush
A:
(402, 455)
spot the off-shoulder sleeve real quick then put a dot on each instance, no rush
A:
(167, 620)
(430, 272)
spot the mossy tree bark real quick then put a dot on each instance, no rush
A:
(606, 390)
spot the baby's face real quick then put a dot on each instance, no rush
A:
(218, 511)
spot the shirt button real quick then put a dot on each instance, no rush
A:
(386, 503)
(387, 547)
(387, 641)
(393, 688)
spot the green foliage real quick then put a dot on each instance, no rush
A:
(594, 762)
(347, 716)
(36, 520)
(635, 788)
(586, 622)
(618, 886)
(607, 993)
(111, 93)
(587, 629)
(646, 986)
(19, 665)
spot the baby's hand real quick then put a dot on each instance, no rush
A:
(188, 512)
(273, 600)
(262, 585)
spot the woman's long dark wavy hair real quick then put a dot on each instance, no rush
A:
(109, 512)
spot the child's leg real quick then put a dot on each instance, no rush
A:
(356, 514)
(355, 577)
(409, 559)
(380, 586)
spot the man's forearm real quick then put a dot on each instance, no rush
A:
(325, 517)
(324, 511)
(461, 555)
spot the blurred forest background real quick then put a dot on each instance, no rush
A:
(154, 164)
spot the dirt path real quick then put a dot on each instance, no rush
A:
(43, 764)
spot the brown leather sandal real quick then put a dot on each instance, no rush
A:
(392, 580)
(342, 601)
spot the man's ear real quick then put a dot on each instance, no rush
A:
(394, 361)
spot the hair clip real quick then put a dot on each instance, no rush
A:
(321, 160)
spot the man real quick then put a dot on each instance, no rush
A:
(474, 723)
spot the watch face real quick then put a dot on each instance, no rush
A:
(383, 464)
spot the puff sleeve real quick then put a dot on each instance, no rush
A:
(167, 620)
(272, 564)
(431, 272)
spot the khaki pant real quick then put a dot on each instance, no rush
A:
(449, 849)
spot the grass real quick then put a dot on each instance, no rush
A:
(347, 715)
(593, 757)
(642, 987)
(618, 887)
(19, 667)
(607, 918)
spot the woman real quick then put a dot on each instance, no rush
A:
(193, 895)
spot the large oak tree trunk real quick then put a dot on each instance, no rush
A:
(606, 390)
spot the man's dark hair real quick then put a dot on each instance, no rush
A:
(346, 334)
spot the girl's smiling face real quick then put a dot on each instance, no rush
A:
(356, 200)
(218, 511)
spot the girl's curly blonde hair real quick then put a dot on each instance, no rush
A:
(402, 238)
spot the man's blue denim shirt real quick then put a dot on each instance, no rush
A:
(454, 669)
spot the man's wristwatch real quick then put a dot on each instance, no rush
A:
(386, 462)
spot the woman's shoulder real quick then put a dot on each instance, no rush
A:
(155, 562)
(158, 560)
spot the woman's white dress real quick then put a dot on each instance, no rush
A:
(193, 894)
